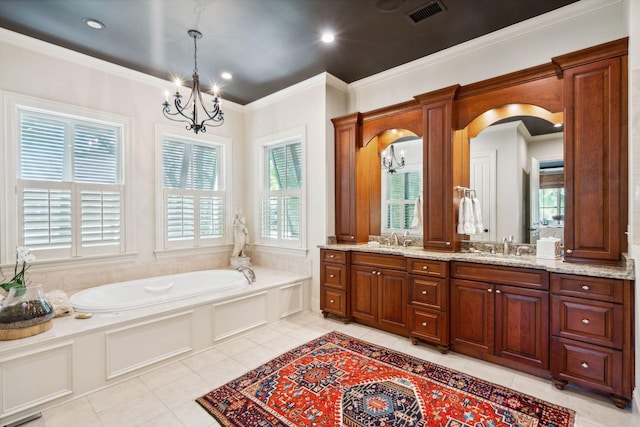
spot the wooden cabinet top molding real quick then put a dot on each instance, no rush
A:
(600, 52)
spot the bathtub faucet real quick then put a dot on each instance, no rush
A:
(248, 273)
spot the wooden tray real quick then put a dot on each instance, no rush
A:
(14, 334)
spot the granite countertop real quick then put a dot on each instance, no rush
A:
(525, 261)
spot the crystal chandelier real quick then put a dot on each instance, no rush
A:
(188, 112)
(390, 162)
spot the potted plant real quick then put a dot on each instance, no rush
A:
(25, 311)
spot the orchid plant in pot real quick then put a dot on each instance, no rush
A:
(25, 305)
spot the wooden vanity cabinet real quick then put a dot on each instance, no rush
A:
(334, 283)
(378, 291)
(501, 314)
(428, 302)
(592, 338)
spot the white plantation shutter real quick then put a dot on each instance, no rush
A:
(70, 185)
(281, 213)
(193, 199)
(403, 189)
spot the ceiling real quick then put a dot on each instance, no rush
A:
(267, 45)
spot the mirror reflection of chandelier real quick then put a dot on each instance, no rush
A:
(189, 111)
(390, 162)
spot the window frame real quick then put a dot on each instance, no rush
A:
(163, 244)
(269, 142)
(11, 210)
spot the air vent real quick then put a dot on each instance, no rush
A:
(425, 11)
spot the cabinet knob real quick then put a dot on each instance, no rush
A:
(378, 273)
(424, 323)
(569, 251)
(489, 290)
(424, 292)
(330, 256)
(373, 272)
(424, 267)
(585, 321)
(332, 275)
(448, 243)
(585, 365)
(332, 301)
(585, 287)
(498, 291)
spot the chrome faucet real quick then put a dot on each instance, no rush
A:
(394, 236)
(491, 248)
(405, 239)
(506, 245)
(247, 272)
(519, 250)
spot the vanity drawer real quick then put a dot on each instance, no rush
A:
(524, 277)
(429, 325)
(333, 301)
(334, 275)
(591, 321)
(429, 292)
(427, 267)
(587, 287)
(379, 261)
(585, 364)
(334, 256)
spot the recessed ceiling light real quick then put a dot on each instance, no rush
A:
(226, 75)
(93, 23)
(328, 37)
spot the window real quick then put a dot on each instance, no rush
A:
(193, 192)
(282, 197)
(70, 185)
(402, 189)
(552, 206)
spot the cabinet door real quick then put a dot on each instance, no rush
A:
(522, 325)
(364, 294)
(392, 301)
(595, 162)
(471, 317)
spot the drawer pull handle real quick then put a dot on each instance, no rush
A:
(498, 291)
(332, 301)
(585, 287)
(585, 365)
(424, 323)
(424, 267)
(585, 321)
(424, 292)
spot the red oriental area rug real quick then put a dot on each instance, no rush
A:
(337, 380)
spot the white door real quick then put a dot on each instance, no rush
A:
(483, 181)
(534, 185)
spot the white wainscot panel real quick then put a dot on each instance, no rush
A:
(33, 378)
(143, 344)
(238, 315)
(291, 299)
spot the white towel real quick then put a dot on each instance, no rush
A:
(461, 216)
(477, 216)
(468, 225)
(417, 215)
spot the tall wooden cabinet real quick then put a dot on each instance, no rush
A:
(347, 140)
(595, 153)
(440, 173)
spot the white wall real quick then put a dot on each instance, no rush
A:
(30, 67)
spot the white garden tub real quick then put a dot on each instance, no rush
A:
(155, 290)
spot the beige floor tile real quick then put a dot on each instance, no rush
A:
(75, 412)
(220, 373)
(191, 414)
(117, 394)
(183, 390)
(165, 375)
(202, 360)
(167, 419)
(235, 346)
(136, 410)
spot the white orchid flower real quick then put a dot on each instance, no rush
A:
(23, 254)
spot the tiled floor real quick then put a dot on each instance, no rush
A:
(166, 396)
